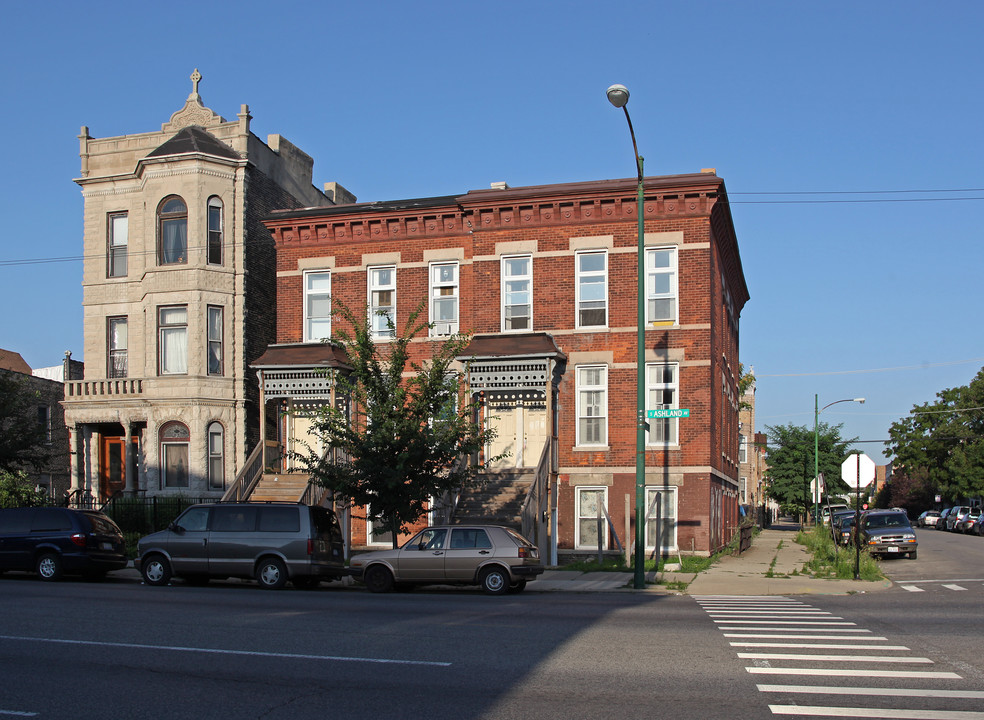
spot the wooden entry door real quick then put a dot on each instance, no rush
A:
(112, 466)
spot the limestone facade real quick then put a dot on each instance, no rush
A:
(179, 296)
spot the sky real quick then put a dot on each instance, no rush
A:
(847, 133)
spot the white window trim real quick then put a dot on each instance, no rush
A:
(577, 281)
(308, 335)
(581, 442)
(214, 202)
(370, 288)
(502, 291)
(442, 328)
(578, 517)
(168, 330)
(650, 439)
(650, 491)
(115, 246)
(674, 293)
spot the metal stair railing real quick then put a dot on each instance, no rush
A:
(248, 477)
(536, 497)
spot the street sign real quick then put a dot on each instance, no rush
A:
(668, 413)
(858, 465)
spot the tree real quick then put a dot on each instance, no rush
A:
(940, 445)
(791, 463)
(22, 437)
(17, 490)
(414, 441)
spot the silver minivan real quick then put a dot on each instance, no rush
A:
(270, 542)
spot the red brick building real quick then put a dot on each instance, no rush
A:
(545, 278)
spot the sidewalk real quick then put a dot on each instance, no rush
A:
(771, 566)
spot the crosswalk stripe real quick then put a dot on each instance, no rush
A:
(769, 636)
(840, 672)
(912, 588)
(860, 712)
(816, 646)
(954, 587)
(835, 658)
(874, 691)
(789, 622)
(793, 629)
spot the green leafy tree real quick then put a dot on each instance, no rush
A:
(791, 463)
(940, 445)
(18, 490)
(413, 440)
(22, 438)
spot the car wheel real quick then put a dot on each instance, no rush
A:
(517, 587)
(156, 570)
(378, 579)
(49, 566)
(305, 582)
(271, 574)
(495, 581)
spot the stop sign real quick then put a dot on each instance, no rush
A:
(858, 466)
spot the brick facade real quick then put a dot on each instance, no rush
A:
(685, 215)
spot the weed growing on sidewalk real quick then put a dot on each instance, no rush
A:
(830, 561)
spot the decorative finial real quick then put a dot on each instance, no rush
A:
(196, 77)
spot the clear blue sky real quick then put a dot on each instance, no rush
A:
(861, 100)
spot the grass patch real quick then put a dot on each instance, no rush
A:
(829, 561)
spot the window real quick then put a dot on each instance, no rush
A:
(592, 289)
(517, 298)
(317, 306)
(280, 519)
(173, 351)
(667, 518)
(469, 539)
(44, 422)
(444, 298)
(743, 490)
(661, 286)
(382, 301)
(742, 448)
(592, 405)
(118, 241)
(216, 459)
(117, 342)
(214, 340)
(377, 531)
(590, 500)
(234, 518)
(174, 438)
(662, 389)
(214, 231)
(172, 231)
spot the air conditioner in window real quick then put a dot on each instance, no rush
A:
(445, 328)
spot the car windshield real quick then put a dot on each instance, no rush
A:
(880, 521)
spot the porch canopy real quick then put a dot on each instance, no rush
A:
(512, 362)
(297, 371)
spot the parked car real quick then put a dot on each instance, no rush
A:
(844, 528)
(828, 511)
(53, 541)
(928, 518)
(270, 542)
(941, 523)
(978, 527)
(965, 522)
(497, 558)
(887, 532)
(955, 515)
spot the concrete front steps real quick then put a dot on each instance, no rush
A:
(284, 487)
(498, 500)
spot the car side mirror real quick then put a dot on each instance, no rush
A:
(174, 527)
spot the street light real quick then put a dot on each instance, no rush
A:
(816, 446)
(618, 95)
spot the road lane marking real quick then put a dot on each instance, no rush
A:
(217, 651)
(18, 713)
(874, 691)
(762, 636)
(835, 658)
(854, 672)
(954, 587)
(912, 588)
(788, 622)
(732, 628)
(860, 712)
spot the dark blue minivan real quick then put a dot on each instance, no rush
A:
(52, 541)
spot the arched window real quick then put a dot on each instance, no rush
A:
(174, 439)
(216, 457)
(214, 231)
(172, 231)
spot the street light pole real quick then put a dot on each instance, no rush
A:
(618, 95)
(816, 446)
